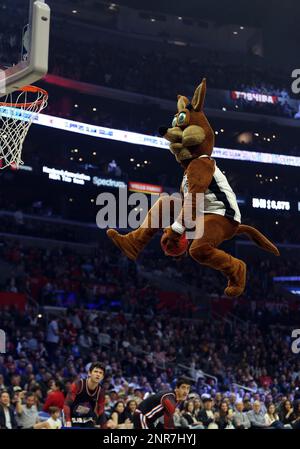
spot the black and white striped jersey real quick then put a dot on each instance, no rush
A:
(219, 198)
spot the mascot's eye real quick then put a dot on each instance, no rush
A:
(181, 118)
(174, 122)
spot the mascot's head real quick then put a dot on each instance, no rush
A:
(190, 134)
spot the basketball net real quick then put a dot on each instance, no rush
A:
(17, 114)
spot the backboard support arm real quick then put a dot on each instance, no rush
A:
(36, 66)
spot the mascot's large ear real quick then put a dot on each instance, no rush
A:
(199, 96)
(182, 102)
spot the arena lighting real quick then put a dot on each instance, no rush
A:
(294, 291)
(286, 278)
(144, 139)
(23, 167)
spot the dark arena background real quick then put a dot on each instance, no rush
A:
(92, 339)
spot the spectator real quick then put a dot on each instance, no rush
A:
(27, 414)
(52, 423)
(130, 409)
(240, 418)
(257, 417)
(179, 421)
(188, 415)
(118, 419)
(272, 418)
(206, 416)
(286, 412)
(296, 418)
(53, 337)
(224, 417)
(7, 413)
(56, 397)
(2, 385)
(197, 407)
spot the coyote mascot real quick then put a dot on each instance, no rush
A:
(191, 142)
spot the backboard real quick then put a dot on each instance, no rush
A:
(25, 46)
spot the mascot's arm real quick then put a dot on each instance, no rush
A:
(199, 176)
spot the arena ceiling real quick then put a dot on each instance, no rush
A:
(248, 12)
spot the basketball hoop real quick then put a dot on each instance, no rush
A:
(17, 113)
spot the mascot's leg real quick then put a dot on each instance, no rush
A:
(159, 216)
(204, 250)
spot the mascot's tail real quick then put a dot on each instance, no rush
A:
(258, 238)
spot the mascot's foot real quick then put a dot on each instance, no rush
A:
(237, 279)
(125, 243)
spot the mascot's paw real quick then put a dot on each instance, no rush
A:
(237, 280)
(173, 244)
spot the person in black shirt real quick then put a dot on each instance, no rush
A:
(286, 412)
(206, 415)
(161, 405)
(130, 410)
(7, 414)
(118, 419)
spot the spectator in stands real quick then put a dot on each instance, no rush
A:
(130, 409)
(206, 416)
(2, 385)
(257, 417)
(272, 418)
(27, 412)
(56, 397)
(240, 418)
(52, 423)
(232, 401)
(197, 407)
(7, 413)
(53, 337)
(217, 401)
(15, 384)
(224, 416)
(85, 341)
(286, 412)
(188, 415)
(264, 379)
(179, 421)
(296, 416)
(118, 419)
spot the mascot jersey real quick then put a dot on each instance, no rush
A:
(219, 198)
